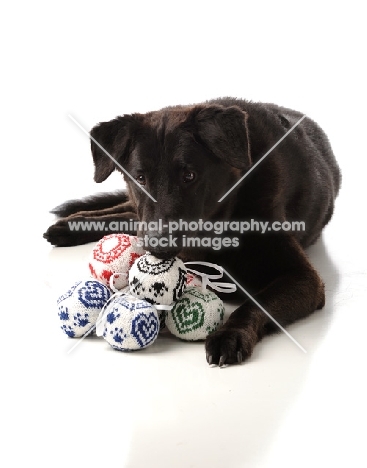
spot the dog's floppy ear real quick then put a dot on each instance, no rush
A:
(223, 130)
(115, 138)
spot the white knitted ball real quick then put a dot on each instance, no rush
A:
(157, 281)
(196, 315)
(79, 307)
(130, 323)
(114, 254)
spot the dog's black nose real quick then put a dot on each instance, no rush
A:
(162, 244)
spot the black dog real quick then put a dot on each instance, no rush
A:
(189, 157)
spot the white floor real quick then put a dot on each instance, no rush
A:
(165, 407)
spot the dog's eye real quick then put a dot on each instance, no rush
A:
(188, 176)
(140, 179)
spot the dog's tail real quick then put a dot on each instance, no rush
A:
(92, 203)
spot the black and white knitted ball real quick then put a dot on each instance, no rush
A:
(79, 307)
(157, 281)
(129, 323)
(196, 315)
(114, 255)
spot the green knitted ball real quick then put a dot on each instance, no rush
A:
(195, 315)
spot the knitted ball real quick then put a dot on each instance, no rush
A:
(114, 254)
(196, 315)
(161, 313)
(193, 280)
(129, 323)
(157, 281)
(78, 308)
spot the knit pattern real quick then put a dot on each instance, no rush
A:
(114, 254)
(161, 313)
(79, 307)
(193, 280)
(129, 319)
(196, 315)
(157, 281)
(130, 323)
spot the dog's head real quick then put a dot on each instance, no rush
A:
(186, 158)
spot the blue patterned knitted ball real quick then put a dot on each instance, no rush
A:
(157, 281)
(79, 307)
(195, 315)
(129, 323)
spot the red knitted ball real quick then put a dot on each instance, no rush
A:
(114, 254)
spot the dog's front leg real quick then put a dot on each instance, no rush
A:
(293, 294)
(90, 226)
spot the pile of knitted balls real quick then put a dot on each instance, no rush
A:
(132, 295)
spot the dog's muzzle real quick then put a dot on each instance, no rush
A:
(162, 244)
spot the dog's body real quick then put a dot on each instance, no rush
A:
(189, 157)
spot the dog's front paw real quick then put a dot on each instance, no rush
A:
(67, 232)
(229, 346)
(59, 234)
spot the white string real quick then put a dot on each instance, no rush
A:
(206, 278)
(101, 321)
